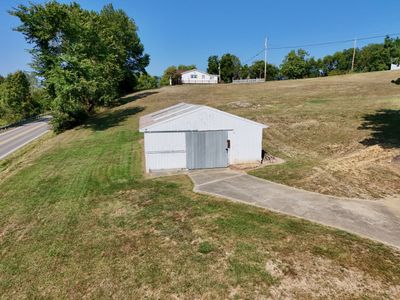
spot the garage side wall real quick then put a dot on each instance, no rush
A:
(165, 150)
(246, 145)
(245, 137)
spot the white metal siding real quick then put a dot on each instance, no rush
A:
(201, 77)
(246, 145)
(246, 137)
(394, 67)
(165, 150)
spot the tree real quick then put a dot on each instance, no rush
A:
(314, 67)
(294, 65)
(339, 63)
(244, 72)
(257, 70)
(186, 67)
(230, 67)
(85, 58)
(373, 57)
(169, 73)
(272, 72)
(15, 97)
(213, 64)
(146, 82)
(393, 48)
(174, 73)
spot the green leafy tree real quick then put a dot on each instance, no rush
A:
(344, 60)
(244, 72)
(257, 69)
(314, 67)
(294, 65)
(230, 67)
(146, 82)
(86, 58)
(15, 97)
(272, 72)
(213, 65)
(393, 48)
(373, 57)
(338, 63)
(38, 93)
(186, 67)
(174, 73)
(169, 73)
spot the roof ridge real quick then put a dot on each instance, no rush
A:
(179, 110)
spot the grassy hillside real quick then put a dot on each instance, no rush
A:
(338, 134)
(77, 219)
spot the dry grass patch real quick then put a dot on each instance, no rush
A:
(80, 221)
(319, 126)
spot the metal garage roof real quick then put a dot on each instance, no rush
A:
(166, 114)
(177, 111)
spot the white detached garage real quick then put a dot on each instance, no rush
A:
(188, 136)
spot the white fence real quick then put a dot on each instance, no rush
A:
(256, 80)
(199, 81)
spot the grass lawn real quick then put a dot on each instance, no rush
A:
(338, 134)
(78, 219)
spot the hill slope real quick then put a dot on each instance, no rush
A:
(78, 220)
(338, 134)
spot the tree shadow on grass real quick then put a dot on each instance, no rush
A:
(385, 127)
(132, 97)
(106, 120)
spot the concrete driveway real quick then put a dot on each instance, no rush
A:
(372, 219)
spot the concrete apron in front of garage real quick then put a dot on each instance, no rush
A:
(368, 218)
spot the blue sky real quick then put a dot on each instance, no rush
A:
(187, 32)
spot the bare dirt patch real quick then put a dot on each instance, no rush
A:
(396, 160)
(355, 174)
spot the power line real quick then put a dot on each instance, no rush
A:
(335, 42)
(253, 57)
(323, 44)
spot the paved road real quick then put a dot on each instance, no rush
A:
(16, 137)
(372, 219)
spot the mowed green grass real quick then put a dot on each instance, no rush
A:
(78, 219)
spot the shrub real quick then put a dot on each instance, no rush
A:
(206, 247)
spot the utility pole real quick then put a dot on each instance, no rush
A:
(265, 58)
(219, 70)
(354, 54)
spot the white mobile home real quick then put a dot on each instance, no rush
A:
(188, 136)
(198, 77)
(394, 67)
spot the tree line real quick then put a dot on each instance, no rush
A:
(21, 97)
(299, 64)
(85, 59)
